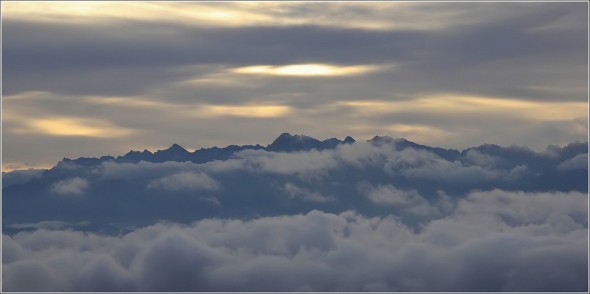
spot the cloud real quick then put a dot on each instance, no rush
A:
(578, 162)
(479, 247)
(258, 111)
(76, 127)
(419, 164)
(306, 70)
(408, 200)
(184, 181)
(75, 186)
(439, 88)
(304, 194)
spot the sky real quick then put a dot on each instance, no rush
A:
(100, 78)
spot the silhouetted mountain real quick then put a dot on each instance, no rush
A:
(262, 184)
(174, 153)
(291, 143)
(215, 153)
(507, 157)
(135, 156)
(284, 143)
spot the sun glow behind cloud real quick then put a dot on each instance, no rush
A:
(68, 126)
(303, 70)
(253, 111)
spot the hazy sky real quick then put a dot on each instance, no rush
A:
(95, 78)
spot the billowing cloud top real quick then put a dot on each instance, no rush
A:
(88, 78)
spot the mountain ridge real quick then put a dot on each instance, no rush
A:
(287, 142)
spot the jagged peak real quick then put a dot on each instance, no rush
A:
(287, 137)
(175, 147)
(386, 139)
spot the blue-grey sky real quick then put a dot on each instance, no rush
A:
(96, 78)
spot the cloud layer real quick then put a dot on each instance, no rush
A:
(385, 215)
(492, 241)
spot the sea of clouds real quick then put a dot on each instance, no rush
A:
(361, 217)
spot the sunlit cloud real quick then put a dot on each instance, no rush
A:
(458, 103)
(8, 166)
(307, 70)
(254, 111)
(419, 132)
(71, 126)
(351, 15)
(91, 12)
(132, 102)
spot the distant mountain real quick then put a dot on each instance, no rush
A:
(510, 156)
(284, 177)
(284, 143)
(291, 143)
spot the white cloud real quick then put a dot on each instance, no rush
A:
(70, 187)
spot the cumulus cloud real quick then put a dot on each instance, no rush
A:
(492, 241)
(184, 181)
(70, 187)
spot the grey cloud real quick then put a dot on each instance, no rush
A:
(578, 162)
(419, 164)
(70, 187)
(425, 56)
(526, 208)
(185, 181)
(409, 201)
(324, 252)
(301, 193)
(103, 274)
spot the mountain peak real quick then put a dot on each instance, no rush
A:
(176, 147)
(349, 140)
(289, 143)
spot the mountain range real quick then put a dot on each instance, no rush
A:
(295, 143)
(294, 174)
